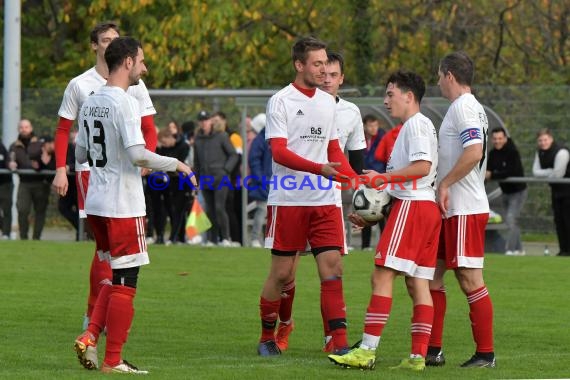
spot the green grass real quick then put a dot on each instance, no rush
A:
(205, 325)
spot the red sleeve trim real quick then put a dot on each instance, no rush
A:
(283, 156)
(149, 132)
(62, 141)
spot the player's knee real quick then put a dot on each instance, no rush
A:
(469, 279)
(126, 277)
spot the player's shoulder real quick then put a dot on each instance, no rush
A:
(345, 104)
(285, 92)
(86, 76)
(465, 102)
(138, 89)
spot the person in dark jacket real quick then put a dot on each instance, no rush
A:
(505, 161)
(6, 189)
(29, 152)
(259, 161)
(214, 159)
(551, 161)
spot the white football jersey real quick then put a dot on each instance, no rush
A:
(464, 124)
(416, 141)
(308, 124)
(86, 84)
(110, 122)
(350, 131)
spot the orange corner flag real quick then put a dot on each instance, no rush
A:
(198, 221)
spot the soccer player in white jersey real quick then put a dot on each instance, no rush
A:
(408, 244)
(77, 91)
(350, 131)
(463, 203)
(111, 141)
(304, 145)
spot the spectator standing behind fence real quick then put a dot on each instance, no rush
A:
(214, 160)
(233, 201)
(6, 188)
(505, 161)
(551, 161)
(28, 152)
(373, 135)
(171, 201)
(259, 160)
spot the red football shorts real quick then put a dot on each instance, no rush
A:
(289, 228)
(82, 182)
(410, 239)
(462, 241)
(121, 241)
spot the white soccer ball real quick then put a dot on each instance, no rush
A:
(370, 203)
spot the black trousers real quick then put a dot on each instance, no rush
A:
(561, 210)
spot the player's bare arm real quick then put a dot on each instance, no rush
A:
(470, 157)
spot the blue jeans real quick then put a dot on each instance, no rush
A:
(513, 204)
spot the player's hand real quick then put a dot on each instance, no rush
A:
(145, 172)
(359, 221)
(371, 178)
(183, 168)
(12, 165)
(328, 170)
(60, 183)
(442, 198)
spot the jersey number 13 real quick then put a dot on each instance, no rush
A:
(99, 140)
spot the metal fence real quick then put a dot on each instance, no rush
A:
(521, 109)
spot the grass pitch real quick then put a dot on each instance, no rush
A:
(197, 316)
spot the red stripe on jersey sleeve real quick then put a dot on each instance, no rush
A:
(149, 132)
(61, 141)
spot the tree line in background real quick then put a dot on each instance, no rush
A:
(246, 44)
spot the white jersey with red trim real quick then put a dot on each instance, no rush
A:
(464, 124)
(350, 131)
(308, 124)
(110, 122)
(86, 84)
(416, 141)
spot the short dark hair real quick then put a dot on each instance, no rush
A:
(304, 45)
(460, 65)
(336, 57)
(369, 118)
(120, 49)
(499, 130)
(102, 27)
(408, 81)
(544, 131)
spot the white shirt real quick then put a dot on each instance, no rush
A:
(350, 132)
(308, 124)
(111, 122)
(464, 124)
(561, 160)
(86, 84)
(416, 141)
